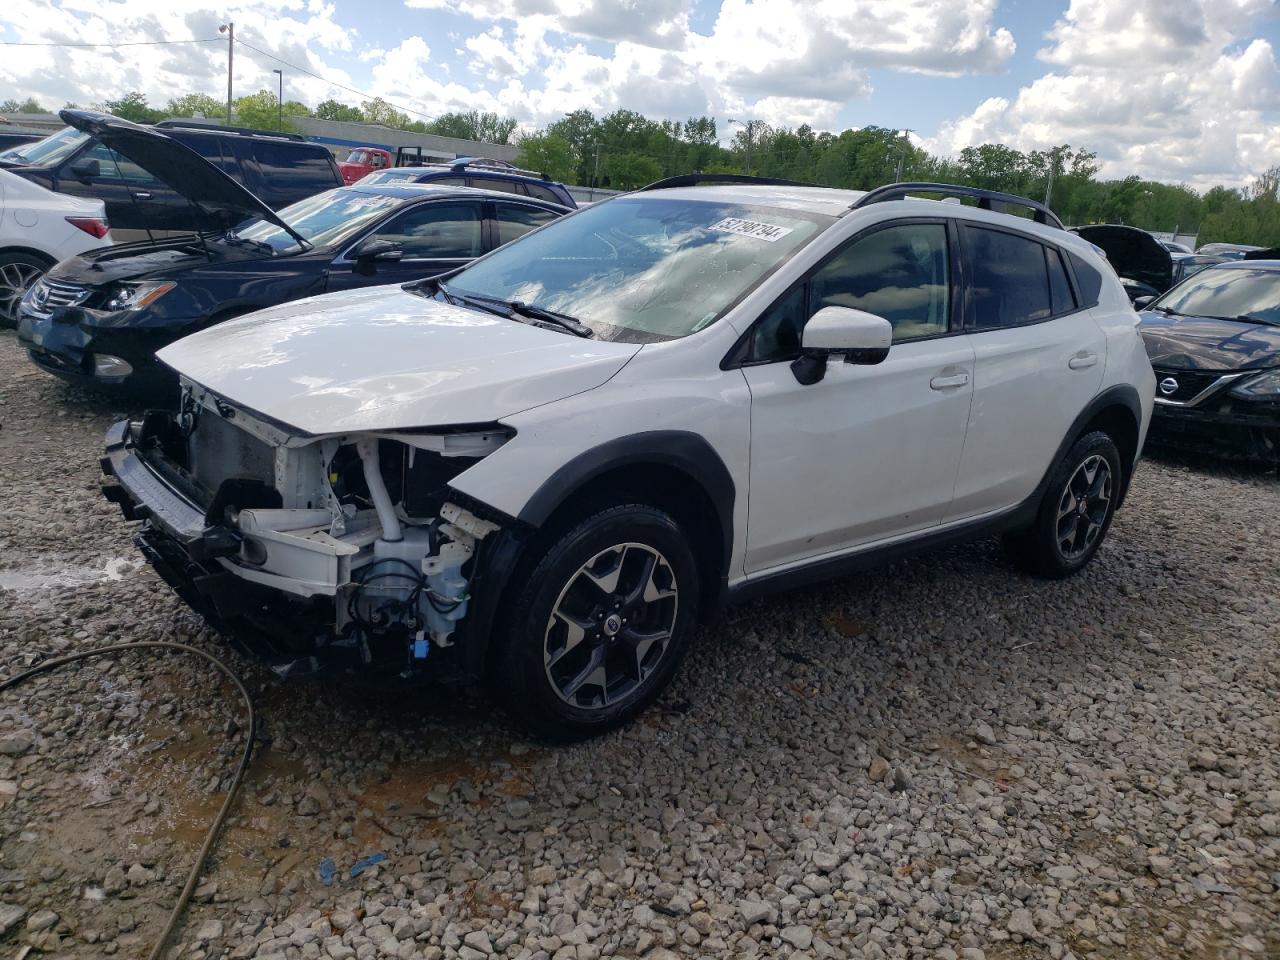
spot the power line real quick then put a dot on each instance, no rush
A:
(334, 83)
(127, 43)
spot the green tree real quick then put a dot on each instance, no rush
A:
(626, 171)
(197, 105)
(378, 110)
(133, 106)
(29, 105)
(484, 127)
(261, 110)
(547, 154)
(333, 110)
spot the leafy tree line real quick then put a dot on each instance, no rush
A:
(625, 149)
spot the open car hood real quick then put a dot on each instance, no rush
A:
(222, 202)
(1133, 253)
(382, 358)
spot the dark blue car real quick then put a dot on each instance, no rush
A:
(100, 317)
(480, 173)
(1214, 343)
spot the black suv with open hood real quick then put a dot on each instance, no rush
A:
(101, 316)
(279, 169)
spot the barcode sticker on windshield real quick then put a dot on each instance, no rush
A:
(751, 228)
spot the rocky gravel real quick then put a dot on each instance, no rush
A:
(942, 759)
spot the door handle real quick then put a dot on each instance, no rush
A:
(1082, 361)
(947, 382)
(142, 195)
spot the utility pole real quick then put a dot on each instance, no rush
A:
(750, 127)
(902, 155)
(280, 101)
(230, 30)
(595, 174)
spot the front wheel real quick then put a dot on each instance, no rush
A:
(601, 622)
(1076, 512)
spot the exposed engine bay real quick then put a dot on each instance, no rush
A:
(358, 532)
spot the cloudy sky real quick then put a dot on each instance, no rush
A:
(1182, 90)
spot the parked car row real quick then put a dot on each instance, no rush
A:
(427, 448)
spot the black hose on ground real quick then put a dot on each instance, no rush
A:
(185, 897)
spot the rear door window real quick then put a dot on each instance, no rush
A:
(219, 153)
(1008, 279)
(436, 231)
(515, 220)
(496, 183)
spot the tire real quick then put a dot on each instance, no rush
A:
(1068, 530)
(569, 666)
(18, 271)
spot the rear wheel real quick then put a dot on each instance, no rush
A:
(1075, 513)
(601, 622)
(18, 271)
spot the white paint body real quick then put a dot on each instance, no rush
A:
(33, 218)
(944, 431)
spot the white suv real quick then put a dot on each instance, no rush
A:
(549, 468)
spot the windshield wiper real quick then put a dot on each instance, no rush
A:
(512, 309)
(1248, 318)
(561, 320)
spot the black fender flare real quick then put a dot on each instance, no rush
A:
(680, 450)
(1121, 395)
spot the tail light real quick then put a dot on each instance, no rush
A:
(96, 227)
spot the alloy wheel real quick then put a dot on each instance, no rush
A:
(1083, 509)
(15, 279)
(611, 625)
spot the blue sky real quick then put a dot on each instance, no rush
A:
(1183, 90)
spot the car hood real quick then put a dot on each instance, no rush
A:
(223, 201)
(1205, 343)
(1133, 253)
(154, 260)
(385, 359)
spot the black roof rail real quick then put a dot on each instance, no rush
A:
(986, 198)
(461, 164)
(696, 179)
(211, 127)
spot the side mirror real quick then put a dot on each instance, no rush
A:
(1141, 303)
(861, 337)
(373, 250)
(85, 170)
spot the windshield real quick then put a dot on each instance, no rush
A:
(50, 151)
(643, 269)
(1229, 293)
(327, 218)
(356, 156)
(386, 176)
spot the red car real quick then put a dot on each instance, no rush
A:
(364, 160)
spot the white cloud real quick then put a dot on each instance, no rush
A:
(300, 32)
(785, 61)
(1171, 91)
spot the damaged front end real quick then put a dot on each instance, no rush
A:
(316, 553)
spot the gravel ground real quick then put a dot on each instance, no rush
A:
(940, 759)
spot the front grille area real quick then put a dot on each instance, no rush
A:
(218, 450)
(49, 294)
(1191, 383)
